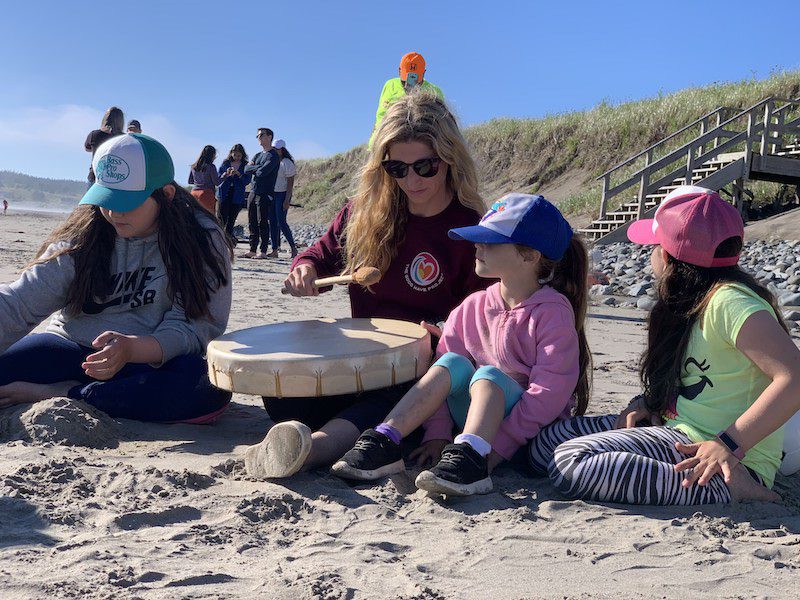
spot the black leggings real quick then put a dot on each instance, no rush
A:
(228, 212)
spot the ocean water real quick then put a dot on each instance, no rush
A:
(19, 208)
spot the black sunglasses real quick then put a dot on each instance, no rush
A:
(424, 167)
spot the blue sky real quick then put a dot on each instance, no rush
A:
(200, 72)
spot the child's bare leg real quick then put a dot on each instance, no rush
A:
(463, 468)
(377, 454)
(486, 409)
(421, 401)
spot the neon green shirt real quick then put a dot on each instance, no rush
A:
(392, 91)
(719, 383)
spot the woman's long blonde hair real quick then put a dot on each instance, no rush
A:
(379, 209)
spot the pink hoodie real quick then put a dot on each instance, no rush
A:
(535, 343)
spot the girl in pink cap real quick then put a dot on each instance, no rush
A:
(720, 377)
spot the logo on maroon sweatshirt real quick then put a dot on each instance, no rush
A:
(423, 273)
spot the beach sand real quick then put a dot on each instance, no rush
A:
(97, 508)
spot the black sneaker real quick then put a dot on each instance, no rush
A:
(373, 456)
(461, 471)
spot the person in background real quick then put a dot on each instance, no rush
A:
(5, 206)
(412, 77)
(232, 196)
(283, 196)
(111, 126)
(134, 126)
(264, 169)
(205, 179)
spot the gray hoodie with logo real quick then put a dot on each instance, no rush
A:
(139, 304)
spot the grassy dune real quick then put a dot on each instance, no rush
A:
(560, 155)
(52, 194)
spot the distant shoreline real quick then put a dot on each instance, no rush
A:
(14, 209)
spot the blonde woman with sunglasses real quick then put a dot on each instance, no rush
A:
(419, 181)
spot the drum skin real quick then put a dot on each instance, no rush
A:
(321, 357)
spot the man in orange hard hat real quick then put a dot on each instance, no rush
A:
(412, 77)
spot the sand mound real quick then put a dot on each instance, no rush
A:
(59, 421)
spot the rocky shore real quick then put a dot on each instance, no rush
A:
(623, 275)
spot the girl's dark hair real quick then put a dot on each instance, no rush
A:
(195, 267)
(569, 276)
(237, 148)
(684, 291)
(114, 119)
(207, 156)
(286, 154)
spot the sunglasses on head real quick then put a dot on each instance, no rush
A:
(424, 167)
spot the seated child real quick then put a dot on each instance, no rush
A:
(720, 376)
(139, 278)
(512, 358)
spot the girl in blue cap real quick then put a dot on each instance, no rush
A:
(139, 278)
(512, 358)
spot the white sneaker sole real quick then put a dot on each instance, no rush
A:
(345, 471)
(429, 482)
(281, 453)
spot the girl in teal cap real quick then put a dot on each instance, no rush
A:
(138, 277)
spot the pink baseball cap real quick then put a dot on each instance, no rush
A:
(689, 224)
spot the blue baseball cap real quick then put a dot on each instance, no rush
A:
(128, 169)
(521, 219)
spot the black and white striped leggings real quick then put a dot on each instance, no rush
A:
(586, 458)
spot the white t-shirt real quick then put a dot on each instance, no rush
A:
(285, 170)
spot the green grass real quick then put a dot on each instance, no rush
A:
(531, 154)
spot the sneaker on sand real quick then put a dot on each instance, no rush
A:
(373, 456)
(248, 255)
(273, 254)
(461, 471)
(262, 256)
(281, 453)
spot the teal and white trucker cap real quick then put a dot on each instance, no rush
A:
(128, 169)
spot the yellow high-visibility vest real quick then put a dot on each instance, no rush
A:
(392, 91)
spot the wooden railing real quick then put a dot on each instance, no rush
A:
(764, 125)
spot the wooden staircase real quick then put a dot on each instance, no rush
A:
(726, 147)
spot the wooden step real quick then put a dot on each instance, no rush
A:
(618, 217)
(634, 206)
(592, 234)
